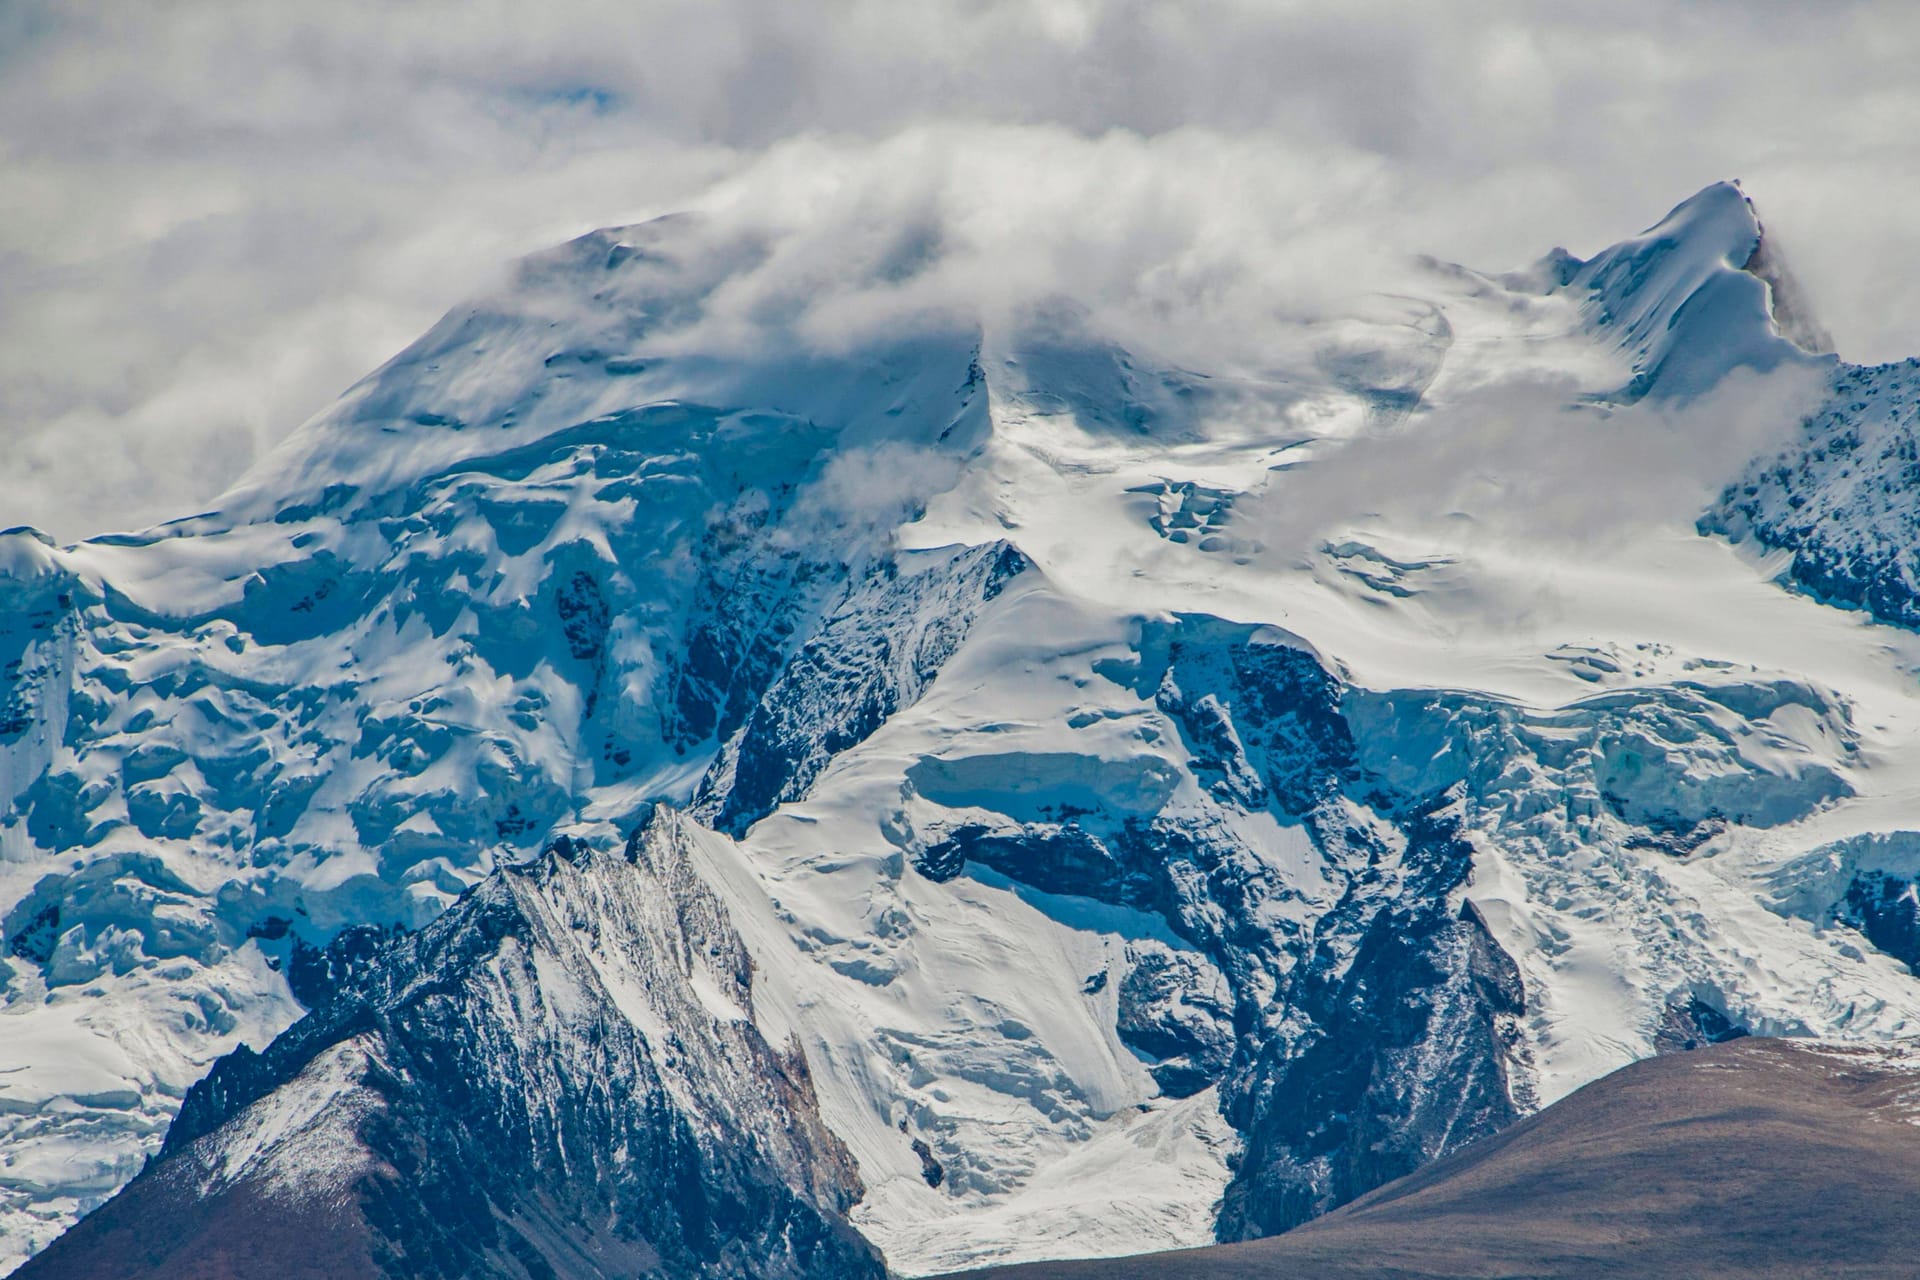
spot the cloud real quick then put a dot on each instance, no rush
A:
(1522, 463)
(214, 216)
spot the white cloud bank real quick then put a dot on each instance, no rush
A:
(213, 216)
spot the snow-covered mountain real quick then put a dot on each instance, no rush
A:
(1159, 802)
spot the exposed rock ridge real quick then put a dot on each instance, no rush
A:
(1840, 496)
(560, 1076)
(875, 653)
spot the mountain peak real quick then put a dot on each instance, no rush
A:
(476, 1064)
(1684, 303)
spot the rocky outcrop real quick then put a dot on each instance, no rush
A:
(1839, 496)
(559, 1077)
(875, 653)
(1356, 1013)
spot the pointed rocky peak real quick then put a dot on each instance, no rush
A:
(1681, 302)
(561, 1076)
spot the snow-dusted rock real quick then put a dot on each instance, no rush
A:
(559, 1076)
(1840, 497)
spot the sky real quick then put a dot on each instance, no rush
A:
(214, 217)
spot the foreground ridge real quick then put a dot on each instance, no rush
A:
(1756, 1158)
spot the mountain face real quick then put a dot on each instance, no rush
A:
(1838, 497)
(1700, 1165)
(1152, 804)
(559, 1076)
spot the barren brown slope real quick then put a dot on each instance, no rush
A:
(1756, 1158)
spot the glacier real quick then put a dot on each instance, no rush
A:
(1159, 803)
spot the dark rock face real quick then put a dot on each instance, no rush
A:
(1353, 1039)
(1400, 1026)
(930, 1168)
(1886, 909)
(33, 938)
(1263, 720)
(559, 1077)
(1177, 1009)
(1054, 857)
(317, 974)
(874, 654)
(1692, 1023)
(1842, 496)
(750, 598)
(1387, 1039)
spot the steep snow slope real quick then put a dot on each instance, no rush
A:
(1160, 801)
